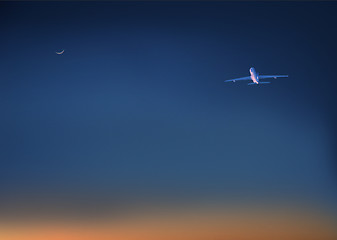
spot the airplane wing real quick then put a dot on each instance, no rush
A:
(271, 76)
(239, 79)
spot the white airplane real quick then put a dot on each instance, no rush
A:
(255, 77)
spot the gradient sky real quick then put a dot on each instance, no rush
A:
(137, 103)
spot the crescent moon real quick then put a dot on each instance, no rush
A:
(60, 52)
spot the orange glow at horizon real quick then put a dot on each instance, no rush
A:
(196, 224)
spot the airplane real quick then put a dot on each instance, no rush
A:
(255, 77)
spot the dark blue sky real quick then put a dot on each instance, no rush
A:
(137, 102)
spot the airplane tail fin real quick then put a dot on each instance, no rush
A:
(259, 83)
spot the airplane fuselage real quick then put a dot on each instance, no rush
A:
(254, 75)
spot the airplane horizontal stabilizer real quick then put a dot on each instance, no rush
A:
(259, 83)
(264, 82)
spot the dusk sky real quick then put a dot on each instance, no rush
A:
(137, 103)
